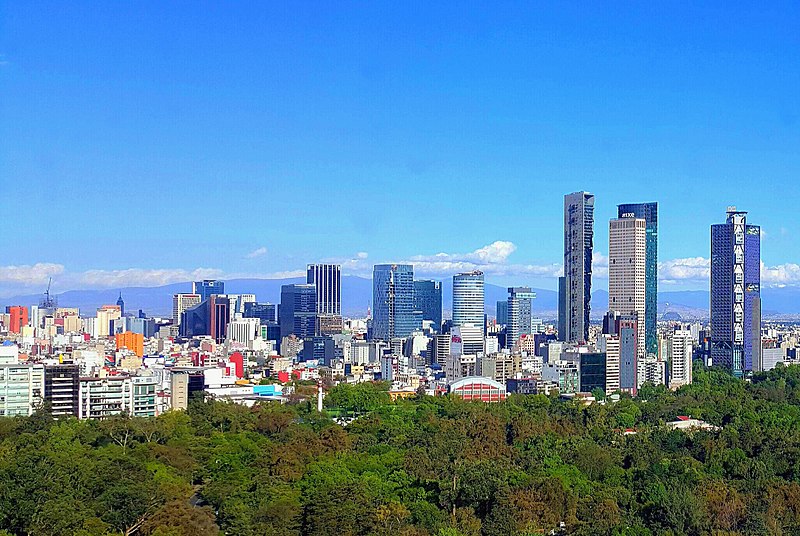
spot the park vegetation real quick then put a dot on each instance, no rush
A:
(423, 466)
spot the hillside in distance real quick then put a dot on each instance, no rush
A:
(357, 297)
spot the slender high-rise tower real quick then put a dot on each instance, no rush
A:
(468, 299)
(649, 213)
(627, 272)
(736, 294)
(578, 244)
(519, 313)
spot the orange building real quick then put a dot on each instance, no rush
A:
(132, 341)
(19, 318)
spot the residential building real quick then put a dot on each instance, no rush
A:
(519, 301)
(21, 384)
(18, 318)
(680, 348)
(62, 389)
(132, 341)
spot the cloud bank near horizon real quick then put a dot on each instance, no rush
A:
(493, 259)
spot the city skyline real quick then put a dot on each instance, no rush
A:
(688, 118)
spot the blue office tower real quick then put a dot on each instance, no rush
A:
(736, 294)
(207, 287)
(393, 301)
(649, 213)
(297, 314)
(428, 301)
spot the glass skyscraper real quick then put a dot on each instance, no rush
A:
(649, 213)
(578, 245)
(207, 287)
(468, 299)
(428, 301)
(297, 314)
(393, 301)
(736, 294)
(519, 313)
(328, 280)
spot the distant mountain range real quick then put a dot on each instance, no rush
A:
(357, 296)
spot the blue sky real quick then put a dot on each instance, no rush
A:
(149, 142)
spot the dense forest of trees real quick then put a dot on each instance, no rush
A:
(426, 466)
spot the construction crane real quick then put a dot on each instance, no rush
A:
(48, 302)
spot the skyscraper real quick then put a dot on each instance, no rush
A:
(297, 314)
(428, 300)
(502, 312)
(562, 308)
(207, 287)
(392, 301)
(180, 303)
(736, 294)
(468, 299)
(578, 244)
(626, 272)
(328, 280)
(649, 213)
(519, 313)
(121, 304)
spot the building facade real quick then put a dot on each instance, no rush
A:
(468, 299)
(393, 301)
(649, 213)
(327, 278)
(736, 294)
(626, 272)
(520, 304)
(428, 300)
(298, 311)
(207, 287)
(578, 246)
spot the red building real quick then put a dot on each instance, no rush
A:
(19, 318)
(479, 388)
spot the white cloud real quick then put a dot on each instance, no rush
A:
(362, 255)
(28, 275)
(688, 269)
(140, 277)
(260, 252)
(288, 274)
(495, 253)
(781, 275)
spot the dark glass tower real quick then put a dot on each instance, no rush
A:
(428, 300)
(297, 314)
(578, 246)
(736, 294)
(393, 301)
(649, 213)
